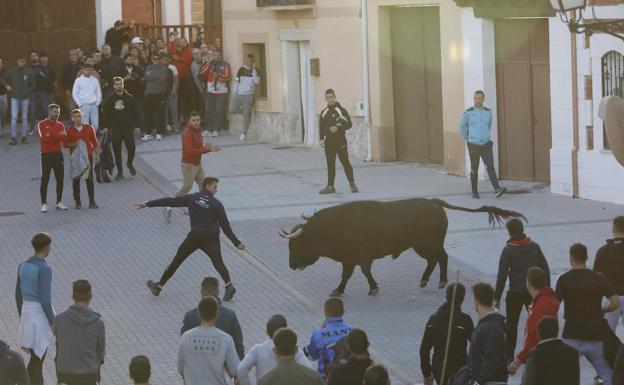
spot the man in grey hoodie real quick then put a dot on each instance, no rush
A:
(80, 336)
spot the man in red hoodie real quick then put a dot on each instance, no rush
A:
(183, 58)
(544, 304)
(51, 136)
(192, 150)
(85, 132)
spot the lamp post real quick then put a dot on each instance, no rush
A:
(578, 24)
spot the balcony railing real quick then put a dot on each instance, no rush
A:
(193, 33)
(285, 4)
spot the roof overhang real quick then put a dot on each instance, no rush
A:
(501, 9)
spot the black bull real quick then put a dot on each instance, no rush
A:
(357, 233)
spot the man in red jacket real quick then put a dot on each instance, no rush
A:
(192, 150)
(85, 132)
(544, 304)
(183, 58)
(52, 136)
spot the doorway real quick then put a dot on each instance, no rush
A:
(523, 98)
(299, 93)
(417, 83)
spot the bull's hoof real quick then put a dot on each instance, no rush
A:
(442, 284)
(373, 291)
(423, 282)
(336, 294)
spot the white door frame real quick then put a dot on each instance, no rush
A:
(305, 37)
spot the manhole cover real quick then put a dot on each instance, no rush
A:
(11, 213)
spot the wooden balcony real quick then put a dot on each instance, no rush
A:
(192, 32)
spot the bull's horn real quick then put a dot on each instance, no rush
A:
(293, 235)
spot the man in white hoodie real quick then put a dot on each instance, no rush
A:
(87, 94)
(262, 356)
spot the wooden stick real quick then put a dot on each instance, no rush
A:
(449, 330)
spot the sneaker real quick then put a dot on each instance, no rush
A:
(132, 170)
(153, 287)
(354, 188)
(119, 176)
(167, 214)
(475, 196)
(44, 208)
(242, 137)
(215, 134)
(61, 206)
(147, 137)
(230, 290)
(31, 132)
(328, 190)
(501, 191)
(158, 137)
(205, 133)
(92, 205)
(24, 140)
(13, 142)
(78, 206)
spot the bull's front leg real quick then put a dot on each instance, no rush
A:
(347, 271)
(373, 289)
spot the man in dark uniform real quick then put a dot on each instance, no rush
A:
(207, 216)
(333, 123)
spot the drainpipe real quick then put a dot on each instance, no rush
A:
(367, 120)
(575, 113)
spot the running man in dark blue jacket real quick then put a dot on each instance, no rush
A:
(207, 217)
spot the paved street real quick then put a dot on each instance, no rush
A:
(264, 188)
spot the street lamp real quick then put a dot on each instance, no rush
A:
(578, 24)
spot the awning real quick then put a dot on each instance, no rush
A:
(499, 9)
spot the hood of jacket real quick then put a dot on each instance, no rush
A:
(519, 241)
(82, 315)
(493, 319)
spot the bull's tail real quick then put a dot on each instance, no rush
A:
(496, 215)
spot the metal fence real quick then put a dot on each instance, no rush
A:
(612, 79)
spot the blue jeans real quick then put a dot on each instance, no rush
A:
(18, 106)
(38, 107)
(593, 351)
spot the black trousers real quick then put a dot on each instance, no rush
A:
(125, 135)
(482, 151)
(35, 369)
(186, 97)
(89, 181)
(208, 243)
(215, 114)
(343, 155)
(155, 107)
(514, 303)
(52, 162)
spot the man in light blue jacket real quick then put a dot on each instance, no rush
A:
(475, 128)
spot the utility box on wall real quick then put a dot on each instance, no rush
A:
(315, 67)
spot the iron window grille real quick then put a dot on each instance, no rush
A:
(612, 72)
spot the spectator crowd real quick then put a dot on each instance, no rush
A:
(139, 84)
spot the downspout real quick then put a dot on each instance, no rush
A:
(366, 86)
(575, 113)
(182, 16)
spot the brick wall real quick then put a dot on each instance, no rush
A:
(137, 10)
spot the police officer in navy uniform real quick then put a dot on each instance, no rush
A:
(333, 123)
(475, 128)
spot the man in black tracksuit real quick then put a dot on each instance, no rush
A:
(333, 123)
(487, 361)
(518, 256)
(120, 117)
(610, 262)
(435, 337)
(207, 217)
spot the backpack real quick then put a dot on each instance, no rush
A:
(341, 354)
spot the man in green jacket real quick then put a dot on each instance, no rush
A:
(20, 81)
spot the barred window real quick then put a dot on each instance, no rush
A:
(612, 80)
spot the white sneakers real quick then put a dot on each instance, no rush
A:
(61, 206)
(147, 137)
(242, 138)
(44, 208)
(158, 137)
(215, 134)
(205, 133)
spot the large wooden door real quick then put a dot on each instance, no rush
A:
(523, 98)
(417, 83)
